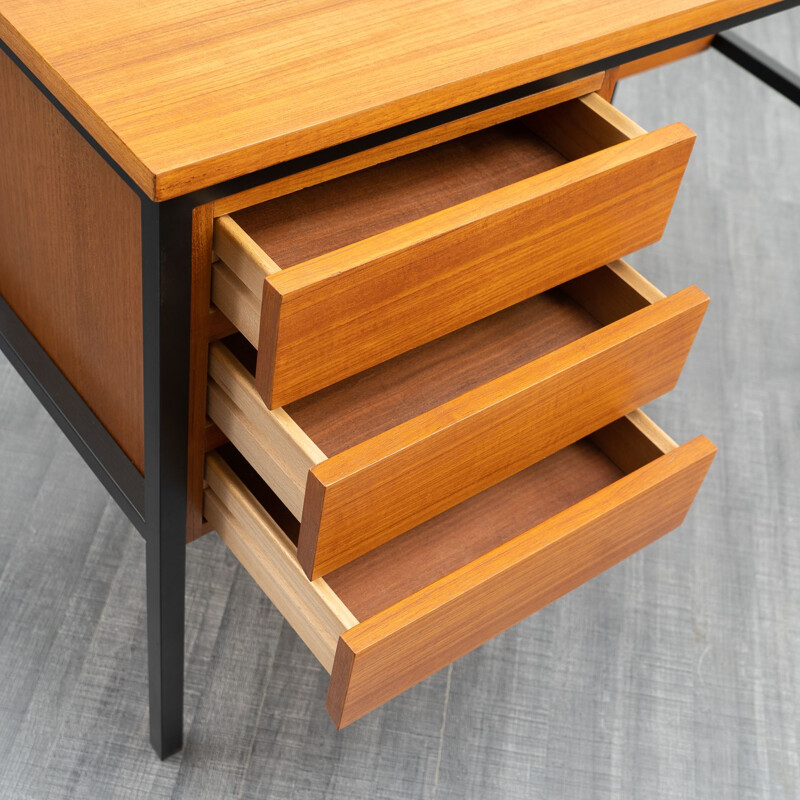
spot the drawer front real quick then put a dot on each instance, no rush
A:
(339, 313)
(390, 652)
(360, 498)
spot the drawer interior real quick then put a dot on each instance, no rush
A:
(305, 224)
(316, 220)
(456, 537)
(371, 402)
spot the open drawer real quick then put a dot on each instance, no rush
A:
(381, 452)
(408, 608)
(335, 278)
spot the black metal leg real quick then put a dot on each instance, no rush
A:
(166, 235)
(764, 67)
(165, 612)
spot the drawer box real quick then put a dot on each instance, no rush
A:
(408, 608)
(333, 279)
(379, 453)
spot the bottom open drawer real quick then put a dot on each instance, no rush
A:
(387, 620)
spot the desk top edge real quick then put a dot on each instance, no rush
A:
(175, 128)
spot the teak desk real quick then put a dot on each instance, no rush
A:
(288, 271)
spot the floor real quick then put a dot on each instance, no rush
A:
(674, 675)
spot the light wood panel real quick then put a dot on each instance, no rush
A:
(396, 648)
(70, 256)
(236, 302)
(583, 126)
(188, 94)
(311, 608)
(234, 404)
(370, 493)
(238, 250)
(365, 290)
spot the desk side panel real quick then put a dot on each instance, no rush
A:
(70, 256)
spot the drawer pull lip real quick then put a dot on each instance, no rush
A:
(333, 315)
(383, 656)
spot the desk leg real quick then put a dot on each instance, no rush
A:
(763, 66)
(165, 618)
(166, 287)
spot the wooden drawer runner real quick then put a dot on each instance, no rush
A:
(379, 453)
(408, 608)
(333, 279)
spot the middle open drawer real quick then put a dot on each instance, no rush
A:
(376, 454)
(335, 278)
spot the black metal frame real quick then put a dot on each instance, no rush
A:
(758, 63)
(156, 504)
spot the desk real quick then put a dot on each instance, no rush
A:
(147, 129)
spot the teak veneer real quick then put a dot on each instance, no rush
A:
(70, 256)
(392, 617)
(376, 454)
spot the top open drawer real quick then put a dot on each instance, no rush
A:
(335, 278)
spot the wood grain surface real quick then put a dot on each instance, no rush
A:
(70, 256)
(449, 541)
(366, 290)
(236, 302)
(408, 385)
(612, 292)
(391, 393)
(443, 588)
(370, 493)
(396, 648)
(185, 95)
(586, 125)
(304, 225)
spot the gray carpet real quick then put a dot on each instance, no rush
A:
(674, 675)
